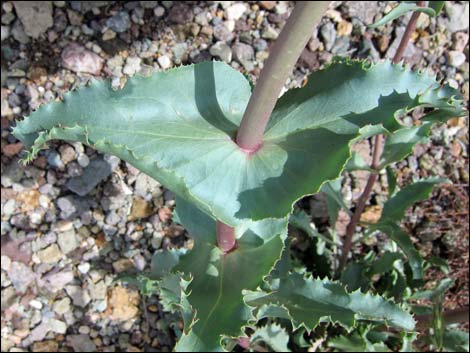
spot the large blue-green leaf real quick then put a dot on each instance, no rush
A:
(217, 279)
(178, 126)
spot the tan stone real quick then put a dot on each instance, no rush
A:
(123, 303)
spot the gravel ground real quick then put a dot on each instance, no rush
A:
(74, 220)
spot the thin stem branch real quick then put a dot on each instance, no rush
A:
(377, 153)
(225, 237)
(284, 54)
(449, 317)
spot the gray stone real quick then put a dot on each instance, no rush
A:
(458, 16)
(221, 32)
(222, 50)
(5, 33)
(81, 343)
(180, 52)
(85, 6)
(98, 170)
(79, 59)
(269, 32)
(159, 11)
(363, 10)
(80, 297)
(50, 255)
(68, 241)
(392, 49)
(244, 54)
(55, 282)
(53, 158)
(181, 14)
(36, 16)
(120, 22)
(260, 44)
(72, 206)
(146, 186)
(57, 326)
(235, 11)
(368, 50)
(149, 4)
(97, 290)
(341, 45)
(328, 34)
(20, 276)
(11, 174)
(62, 306)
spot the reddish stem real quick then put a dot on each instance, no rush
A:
(225, 237)
(378, 148)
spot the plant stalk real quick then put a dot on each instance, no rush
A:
(284, 54)
(378, 148)
(225, 237)
(449, 317)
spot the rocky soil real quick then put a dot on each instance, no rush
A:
(74, 221)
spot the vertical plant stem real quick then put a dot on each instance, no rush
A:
(225, 237)
(378, 148)
(284, 54)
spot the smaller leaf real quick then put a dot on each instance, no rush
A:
(334, 199)
(163, 261)
(401, 10)
(456, 341)
(300, 219)
(309, 301)
(436, 6)
(357, 162)
(407, 341)
(431, 294)
(400, 144)
(440, 263)
(394, 209)
(273, 335)
(385, 263)
(406, 245)
(392, 181)
(354, 276)
(357, 343)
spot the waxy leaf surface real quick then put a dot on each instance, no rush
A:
(217, 279)
(178, 126)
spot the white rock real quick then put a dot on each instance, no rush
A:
(235, 11)
(84, 267)
(164, 61)
(36, 304)
(57, 326)
(456, 58)
(159, 11)
(132, 65)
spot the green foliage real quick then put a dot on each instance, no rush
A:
(308, 301)
(216, 281)
(184, 121)
(393, 212)
(272, 335)
(409, 6)
(179, 127)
